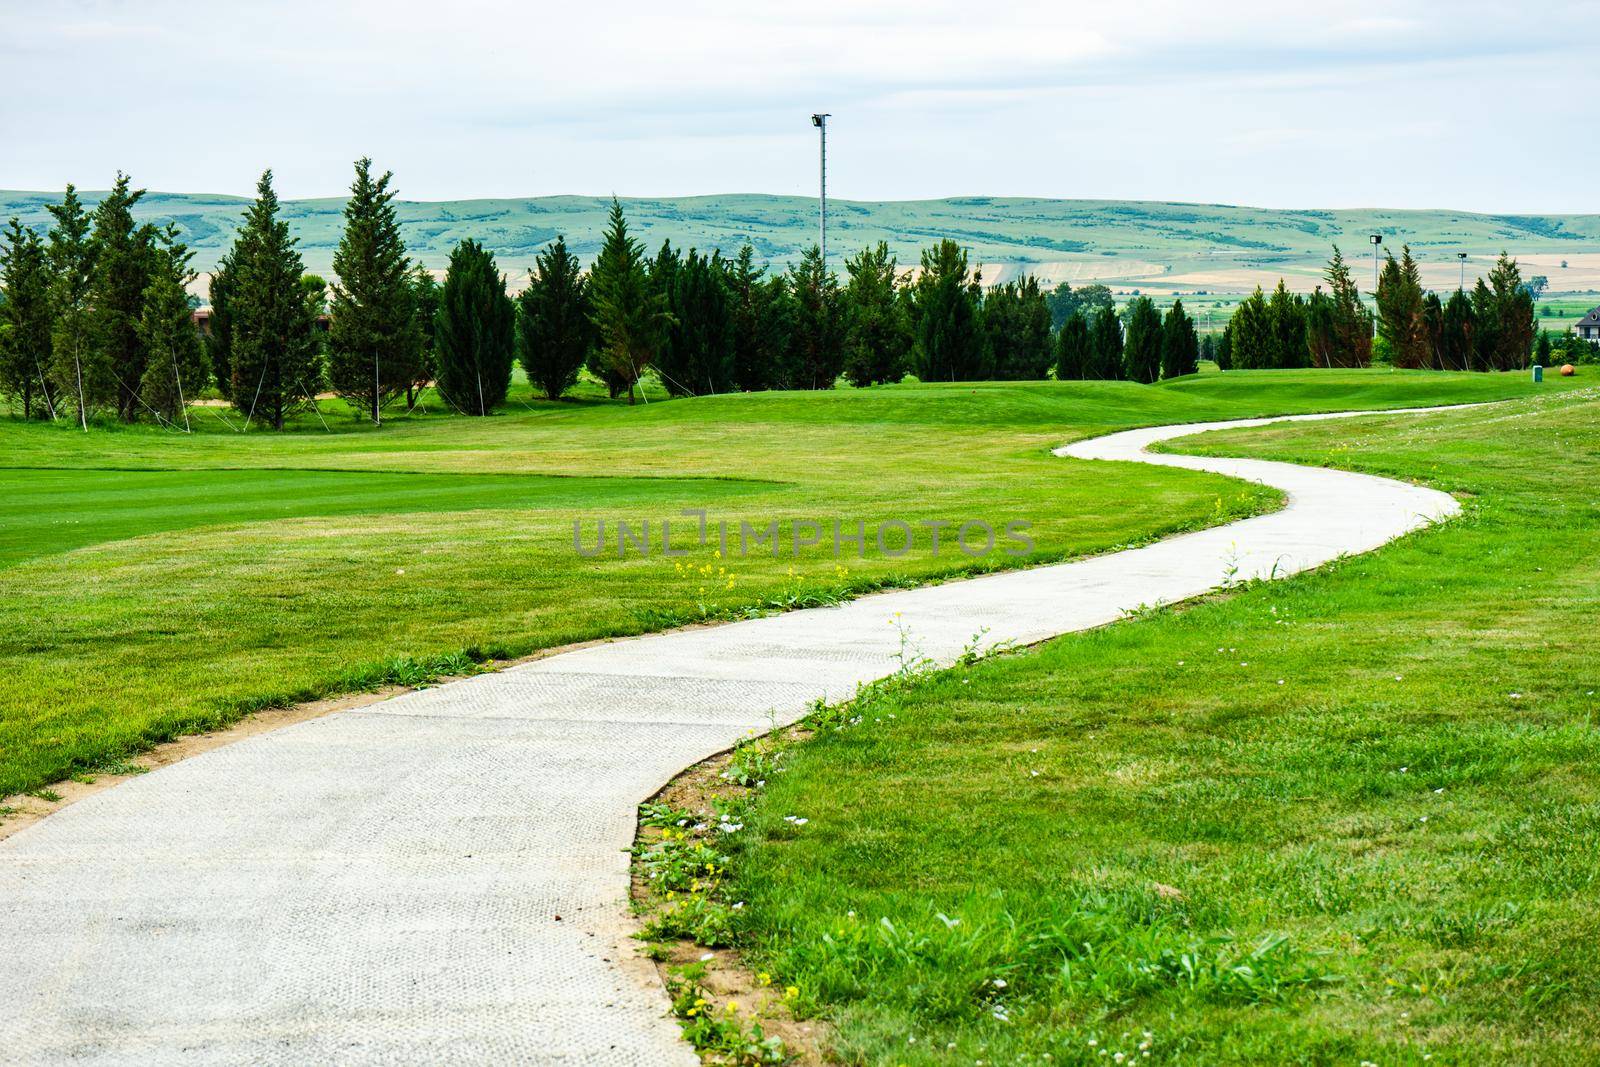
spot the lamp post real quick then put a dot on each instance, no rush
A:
(1462, 256)
(1376, 239)
(820, 121)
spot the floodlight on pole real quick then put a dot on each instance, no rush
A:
(820, 121)
(1462, 256)
(1376, 239)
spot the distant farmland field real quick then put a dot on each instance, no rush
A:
(1160, 248)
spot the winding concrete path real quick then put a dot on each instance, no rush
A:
(441, 877)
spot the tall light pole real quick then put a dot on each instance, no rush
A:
(1376, 239)
(1462, 256)
(820, 121)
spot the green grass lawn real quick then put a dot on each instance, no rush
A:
(153, 583)
(1347, 817)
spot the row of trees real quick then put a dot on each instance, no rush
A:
(1491, 328)
(96, 314)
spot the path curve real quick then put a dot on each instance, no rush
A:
(441, 877)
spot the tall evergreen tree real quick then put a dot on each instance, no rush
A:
(78, 367)
(1105, 346)
(274, 354)
(1348, 333)
(697, 357)
(554, 332)
(816, 326)
(219, 332)
(425, 298)
(125, 256)
(1074, 350)
(759, 332)
(1400, 311)
(878, 337)
(1511, 306)
(1141, 346)
(374, 336)
(1224, 354)
(1486, 344)
(175, 368)
(1180, 344)
(1287, 325)
(26, 322)
(474, 332)
(630, 314)
(1455, 335)
(1016, 320)
(946, 300)
(1251, 340)
(1432, 331)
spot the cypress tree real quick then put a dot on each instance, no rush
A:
(1251, 339)
(629, 313)
(554, 331)
(878, 336)
(474, 332)
(1400, 311)
(374, 337)
(26, 322)
(1511, 307)
(78, 367)
(1349, 337)
(816, 326)
(219, 335)
(125, 257)
(176, 368)
(1455, 334)
(758, 335)
(697, 356)
(1180, 344)
(1141, 347)
(1485, 328)
(1105, 345)
(1432, 331)
(1224, 355)
(425, 298)
(1016, 321)
(1074, 351)
(1286, 317)
(274, 351)
(950, 342)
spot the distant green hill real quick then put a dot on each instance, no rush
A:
(1161, 246)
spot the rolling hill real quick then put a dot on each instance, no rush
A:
(1163, 247)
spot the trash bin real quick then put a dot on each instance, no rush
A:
(1538, 373)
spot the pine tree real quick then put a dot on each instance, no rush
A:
(630, 315)
(26, 322)
(425, 299)
(1286, 319)
(1400, 311)
(1141, 346)
(1180, 344)
(759, 335)
(274, 353)
(374, 336)
(1074, 352)
(1348, 340)
(123, 264)
(816, 327)
(1016, 321)
(1251, 340)
(78, 368)
(1224, 355)
(1485, 329)
(946, 300)
(1455, 335)
(696, 358)
(878, 337)
(1432, 331)
(176, 368)
(554, 331)
(474, 332)
(1105, 346)
(1511, 306)
(219, 332)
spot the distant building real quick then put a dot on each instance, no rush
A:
(1588, 327)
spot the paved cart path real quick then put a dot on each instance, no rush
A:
(441, 877)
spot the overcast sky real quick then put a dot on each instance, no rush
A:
(1483, 106)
